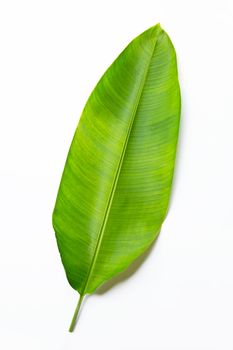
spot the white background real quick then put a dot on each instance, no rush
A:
(52, 54)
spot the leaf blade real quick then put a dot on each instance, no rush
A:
(103, 217)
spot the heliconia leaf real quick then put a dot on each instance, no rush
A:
(115, 188)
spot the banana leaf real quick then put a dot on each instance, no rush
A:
(115, 188)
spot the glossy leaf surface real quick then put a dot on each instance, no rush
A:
(116, 183)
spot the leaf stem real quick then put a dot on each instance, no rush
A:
(73, 322)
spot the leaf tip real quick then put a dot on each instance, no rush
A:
(156, 30)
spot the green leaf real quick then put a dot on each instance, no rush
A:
(116, 183)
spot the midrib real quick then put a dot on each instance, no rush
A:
(111, 196)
